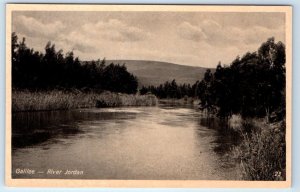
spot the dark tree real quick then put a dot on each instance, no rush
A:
(252, 85)
(54, 70)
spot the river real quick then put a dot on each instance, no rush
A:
(162, 142)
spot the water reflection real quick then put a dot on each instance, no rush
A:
(170, 141)
(32, 128)
(225, 137)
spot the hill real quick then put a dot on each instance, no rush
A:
(156, 72)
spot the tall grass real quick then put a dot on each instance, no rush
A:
(62, 100)
(108, 99)
(262, 153)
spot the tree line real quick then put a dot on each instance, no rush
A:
(251, 85)
(34, 70)
(169, 90)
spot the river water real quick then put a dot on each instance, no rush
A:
(162, 142)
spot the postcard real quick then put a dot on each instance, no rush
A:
(148, 95)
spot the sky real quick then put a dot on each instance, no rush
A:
(187, 38)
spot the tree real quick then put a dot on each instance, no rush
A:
(252, 85)
(272, 57)
(54, 70)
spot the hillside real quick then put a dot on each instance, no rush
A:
(155, 72)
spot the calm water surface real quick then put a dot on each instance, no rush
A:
(163, 142)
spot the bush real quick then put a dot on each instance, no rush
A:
(262, 152)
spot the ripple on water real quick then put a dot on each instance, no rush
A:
(128, 143)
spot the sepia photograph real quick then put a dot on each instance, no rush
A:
(148, 95)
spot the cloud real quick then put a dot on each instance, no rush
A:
(101, 37)
(216, 35)
(219, 35)
(185, 39)
(115, 30)
(83, 48)
(191, 32)
(77, 40)
(210, 26)
(260, 34)
(32, 27)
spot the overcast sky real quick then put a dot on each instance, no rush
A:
(194, 38)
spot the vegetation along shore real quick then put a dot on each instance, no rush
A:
(62, 100)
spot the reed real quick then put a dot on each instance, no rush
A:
(108, 99)
(24, 100)
(262, 152)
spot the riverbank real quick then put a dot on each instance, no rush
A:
(262, 151)
(24, 100)
(182, 101)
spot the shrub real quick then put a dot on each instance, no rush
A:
(262, 153)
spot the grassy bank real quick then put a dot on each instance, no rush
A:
(62, 100)
(262, 152)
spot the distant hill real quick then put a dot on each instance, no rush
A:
(156, 72)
